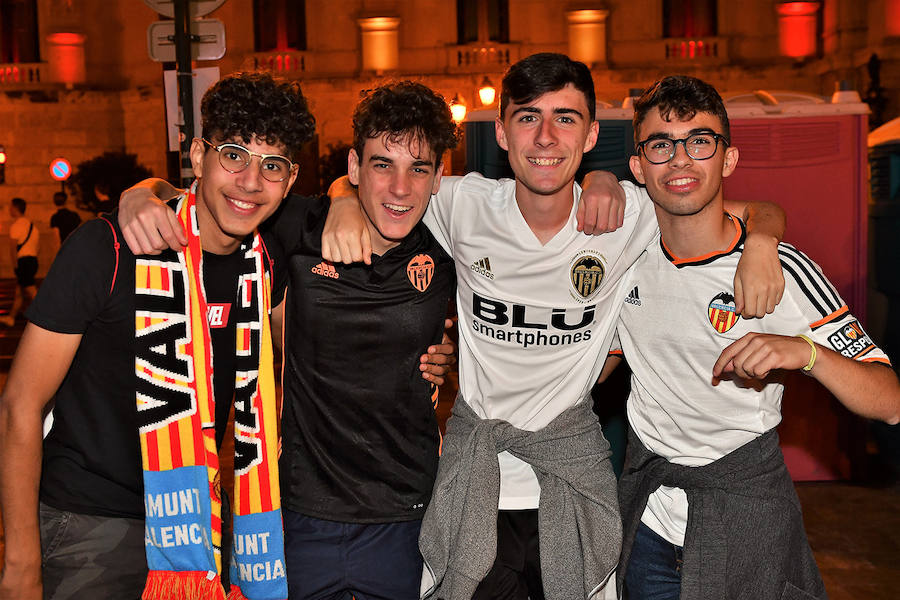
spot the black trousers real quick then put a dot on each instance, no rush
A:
(516, 573)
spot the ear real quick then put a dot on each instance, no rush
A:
(295, 171)
(353, 167)
(197, 153)
(500, 134)
(731, 161)
(591, 140)
(438, 173)
(635, 163)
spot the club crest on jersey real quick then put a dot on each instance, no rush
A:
(722, 313)
(586, 273)
(420, 271)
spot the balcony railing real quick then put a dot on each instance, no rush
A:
(288, 62)
(706, 50)
(22, 75)
(479, 56)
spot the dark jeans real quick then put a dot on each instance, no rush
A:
(85, 556)
(516, 573)
(654, 568)
(330, 560)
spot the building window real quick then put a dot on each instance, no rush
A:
(18, 31)
(689, 18)
(482, 21)
(279, 25)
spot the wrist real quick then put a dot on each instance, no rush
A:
(812, 355)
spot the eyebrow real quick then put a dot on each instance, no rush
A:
(668, 135)
(555, 111)
(417, 163)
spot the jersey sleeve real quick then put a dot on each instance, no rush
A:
(828, 319)
(615, 345)
(439, 215)
(79, 283)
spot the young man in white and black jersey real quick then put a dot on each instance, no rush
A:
(537, 303)
(706, 499)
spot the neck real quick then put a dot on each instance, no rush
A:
(545, 213)
(212, 238)
(688, 236)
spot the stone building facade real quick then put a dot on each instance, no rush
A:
(76, 79)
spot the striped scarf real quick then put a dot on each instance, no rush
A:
(176, 410)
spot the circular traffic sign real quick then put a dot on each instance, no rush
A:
(60, 169)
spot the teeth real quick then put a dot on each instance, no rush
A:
(397, 207)
(682, 181)
(545, 162)
(241, 204)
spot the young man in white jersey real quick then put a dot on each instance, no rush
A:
(537, 303)
(708, 506)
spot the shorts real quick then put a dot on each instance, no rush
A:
(87, 556)
(26, 269)
(332, 560)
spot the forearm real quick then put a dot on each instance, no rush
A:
(867, 389)
(160, 188)
(764, 220)
(20, 467)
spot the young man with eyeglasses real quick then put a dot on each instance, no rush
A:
(360, 435)
(141, 357)
(707, 502)
(537, 303)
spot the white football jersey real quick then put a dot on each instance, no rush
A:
(535, 321)
(677, 318)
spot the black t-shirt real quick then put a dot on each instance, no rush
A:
(360, 437)
(92, 456)
(66, 221)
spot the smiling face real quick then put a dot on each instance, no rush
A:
(546, 139)
(396, 180)
(683, 186)
(230, 206)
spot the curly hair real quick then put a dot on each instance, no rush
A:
(405, 111)
(534, 76)
(256, 105)
(682, 96)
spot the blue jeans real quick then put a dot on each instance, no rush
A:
(654, 568)
(329, 560)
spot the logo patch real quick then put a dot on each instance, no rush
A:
(722, 314)
(482, 267)
(326, 269)
(586, 273)
(217, 315)
(633, 297)
(420, 270)
(851, 340)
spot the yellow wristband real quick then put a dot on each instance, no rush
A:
(812, 357)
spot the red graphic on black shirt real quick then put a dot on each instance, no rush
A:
(217, 315)
(420, 270)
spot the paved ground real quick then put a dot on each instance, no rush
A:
(853, 529)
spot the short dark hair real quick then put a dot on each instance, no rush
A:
(538, 74)
(683, 96)
(19, 203)
(256, 105)
(59, 198)
(405, 111)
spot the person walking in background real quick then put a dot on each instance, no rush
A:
(24, 243)
(64, 221)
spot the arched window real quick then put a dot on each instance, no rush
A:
(279, 25)
(482, 21)
(689, 18)
(18, 31)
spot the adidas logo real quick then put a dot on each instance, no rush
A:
(633, 297)
(483, 267)
(325, 269)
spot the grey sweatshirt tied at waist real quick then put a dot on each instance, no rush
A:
(578, 517)
(744, 538)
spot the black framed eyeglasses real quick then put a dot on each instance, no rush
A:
(700, 146)
(234, 158)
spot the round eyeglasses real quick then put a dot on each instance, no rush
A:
(700, 146)
(234, 158)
